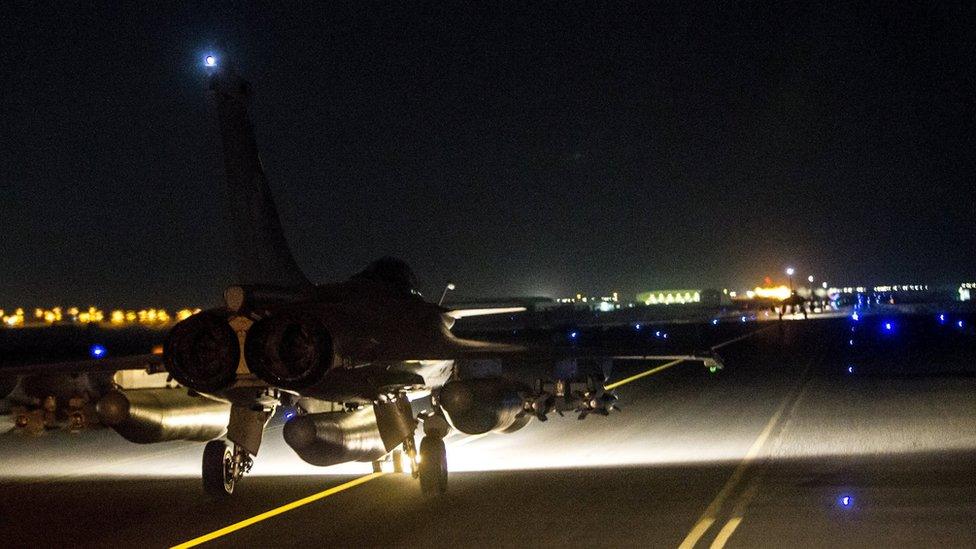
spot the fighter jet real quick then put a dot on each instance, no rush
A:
(362, 365)
(796, 302)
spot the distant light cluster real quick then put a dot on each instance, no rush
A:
(965, 290)
(16, 319)
(902, 288)
(604, 303)
(887, 288)
(777, 292)
(94, 315)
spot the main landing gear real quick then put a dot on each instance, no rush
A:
(223, 465)
(433, 466)
(429, 464)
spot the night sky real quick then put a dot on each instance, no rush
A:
(514, 152)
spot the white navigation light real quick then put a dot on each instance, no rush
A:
(210, 61)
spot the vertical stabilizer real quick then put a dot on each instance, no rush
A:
(263, 256)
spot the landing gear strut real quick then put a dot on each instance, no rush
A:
(223, 466)
(395, 458)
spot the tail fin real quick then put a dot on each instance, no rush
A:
(263, 255)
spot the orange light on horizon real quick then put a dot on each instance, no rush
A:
(776, 292)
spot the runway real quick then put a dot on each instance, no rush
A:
(800, 442)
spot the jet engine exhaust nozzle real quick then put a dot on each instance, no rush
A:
(289, 351)
(202, 352)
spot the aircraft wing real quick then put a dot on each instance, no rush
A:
(467, 313)
(461, 349)
(150, 362)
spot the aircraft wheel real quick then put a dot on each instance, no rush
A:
(433, 466)
(218, 469)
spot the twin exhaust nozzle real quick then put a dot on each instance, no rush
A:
(290, 350)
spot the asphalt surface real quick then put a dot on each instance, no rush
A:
(805, 440)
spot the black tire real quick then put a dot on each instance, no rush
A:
(218, 481)
(433, 466)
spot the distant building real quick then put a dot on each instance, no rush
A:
(670, 297)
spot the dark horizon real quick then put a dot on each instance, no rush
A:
(515, 152)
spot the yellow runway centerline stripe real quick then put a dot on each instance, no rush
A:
(725, 533)
(277, 511)
(711, 512)
(645, 373)
(738, 513)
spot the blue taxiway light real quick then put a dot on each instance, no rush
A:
(657, 333)
(97, 351)
(573, 335)
(210, 61)
(742, 318)
(942, 318)
(637, 327)
(850, 342)
(289, 414)
(888, 327)
(850, 369)
(855, 317)
(714, 322)
(846, 501)
(960, 324)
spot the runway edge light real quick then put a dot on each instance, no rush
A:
(97, 351)
(846, 501)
